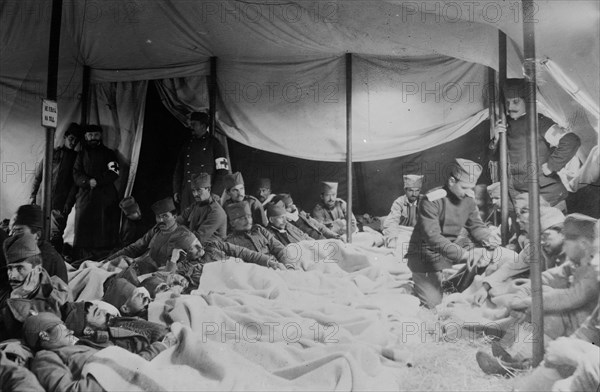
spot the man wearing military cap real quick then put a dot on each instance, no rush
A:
(264, 194)
(63, 186)
(279, 226)
(157, 244)
(403, 214)
(133, 227)
(302, 219)
(205, 217)
(332, 211)
(203, 153)
(442, 213)
(97, 215)
(253, 237)
(236, 193)
(556, 147)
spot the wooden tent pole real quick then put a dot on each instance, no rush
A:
(51, 94)
(349, 144)
(537, 310)
(503, 161)
(85, 95)
(212, 91)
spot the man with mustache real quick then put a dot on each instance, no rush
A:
(403, 213)
(442, 214)
(203, 153)
(97, 215)
(264, 194)
(279, 226)
(302, 219)
(31, 286)
(157, 244)
(205, 217)
(331, 211)
(556, 147)
(63, 187)
(236, 193)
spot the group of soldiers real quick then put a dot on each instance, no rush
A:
(433, 231)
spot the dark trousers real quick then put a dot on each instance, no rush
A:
(428, 287)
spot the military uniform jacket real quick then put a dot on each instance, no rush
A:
(160, 245)
(259, 217)
(259, 240)
(290, 235)
(97, 218)
(63, 185)
(199, 155)
(315, 229)
(336, 214)
(439, 223)
(402, 213)
(205, 219)
(556, 158)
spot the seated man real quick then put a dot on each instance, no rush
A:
(133, 227)
(157, 243)
(331, 211)
(253, 237)
(570, 294)
(441, 216)
(551, 221)
(264, 194)
(29, 219)
(14, 367)
(205, 217)
(236, 193)
(279, 226)
(403, 214)
(31, 286)
(302, 220)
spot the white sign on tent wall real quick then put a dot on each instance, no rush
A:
(49, 113)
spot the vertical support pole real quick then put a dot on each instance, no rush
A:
(537, 311)
(503, 161)
(349, 144)
(51, 93)
(85, 95)
(212, 97)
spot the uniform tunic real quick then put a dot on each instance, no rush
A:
(551, 187)
(206, 219)
(259, 240)
(259, 217)
(315, 229)
(402, 213)
(439, 223)
(159, 243)
(97, 217)
(289, 235)
(199, 155)
(335, 218)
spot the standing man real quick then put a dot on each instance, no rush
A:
(63, 186)
(97, 216)
(403, 214)
(236, 193)
(331, 211)
(443, 212)
(556, 147)
(203, 153)
(205, 218)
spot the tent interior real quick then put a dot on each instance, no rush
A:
(419, 86)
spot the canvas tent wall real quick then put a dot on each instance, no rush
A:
(412, 61)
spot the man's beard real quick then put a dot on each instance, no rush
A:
(93, 143)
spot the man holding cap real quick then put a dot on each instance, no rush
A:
(97, 216)
(63, 186)
(403, 214)
(236, 193)
(331, 211)
(279, 226)
(556, 147)
(442, 213)
(205, 217)
(203, 153)
(158, 241)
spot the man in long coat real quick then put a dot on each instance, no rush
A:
(97, 216)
